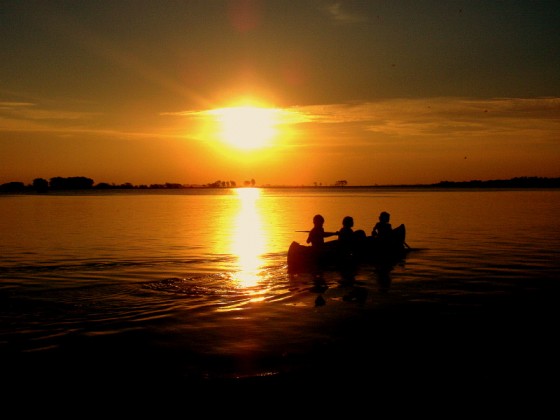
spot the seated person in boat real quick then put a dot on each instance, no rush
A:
(348, 239)
(346, 233)
(382, 230)
(317, 235)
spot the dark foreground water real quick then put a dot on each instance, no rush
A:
(189, 290)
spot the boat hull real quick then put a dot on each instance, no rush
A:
(333, 256)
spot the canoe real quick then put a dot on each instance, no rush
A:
(332, 255)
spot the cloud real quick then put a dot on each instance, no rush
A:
(337, 14)
(30, 117)
(285, 116)
(443, 116)
(14, 105)
(435, 117)
(30, 111)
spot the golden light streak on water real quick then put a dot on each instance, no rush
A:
(248, 238)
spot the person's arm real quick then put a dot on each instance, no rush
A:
(313, 235)
(309, 236)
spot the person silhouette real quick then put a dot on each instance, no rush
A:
(346, 233)
(317, 235)
(382, 229)
(350, 240)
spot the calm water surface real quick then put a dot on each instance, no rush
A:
(201, 274)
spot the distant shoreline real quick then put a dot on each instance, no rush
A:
(82, 183)
(523, 182)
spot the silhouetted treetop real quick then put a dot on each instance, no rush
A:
(71, 183)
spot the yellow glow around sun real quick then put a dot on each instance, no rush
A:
(247, 127)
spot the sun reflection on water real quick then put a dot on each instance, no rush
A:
(248, 238)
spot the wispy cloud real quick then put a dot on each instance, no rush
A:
(14, 105)
(285, 116)
(339, 15)
(30, 117)
(33, 112)
(429, 116)
(443, 116)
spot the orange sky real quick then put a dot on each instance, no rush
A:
(399, 92)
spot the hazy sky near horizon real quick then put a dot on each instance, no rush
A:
(371, 92)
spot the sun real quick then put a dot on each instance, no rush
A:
(247, 127)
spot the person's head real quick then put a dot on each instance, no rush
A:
(318, 220)
(348, 221)
(384, 217)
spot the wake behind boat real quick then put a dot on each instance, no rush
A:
(335, 255)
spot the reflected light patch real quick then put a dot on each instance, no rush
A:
(248, 238)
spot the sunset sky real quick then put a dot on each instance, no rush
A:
(284, 92)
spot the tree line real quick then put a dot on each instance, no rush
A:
(41, 185)
(518, 182)
(58, 183)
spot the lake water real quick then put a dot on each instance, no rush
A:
(192, 285)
